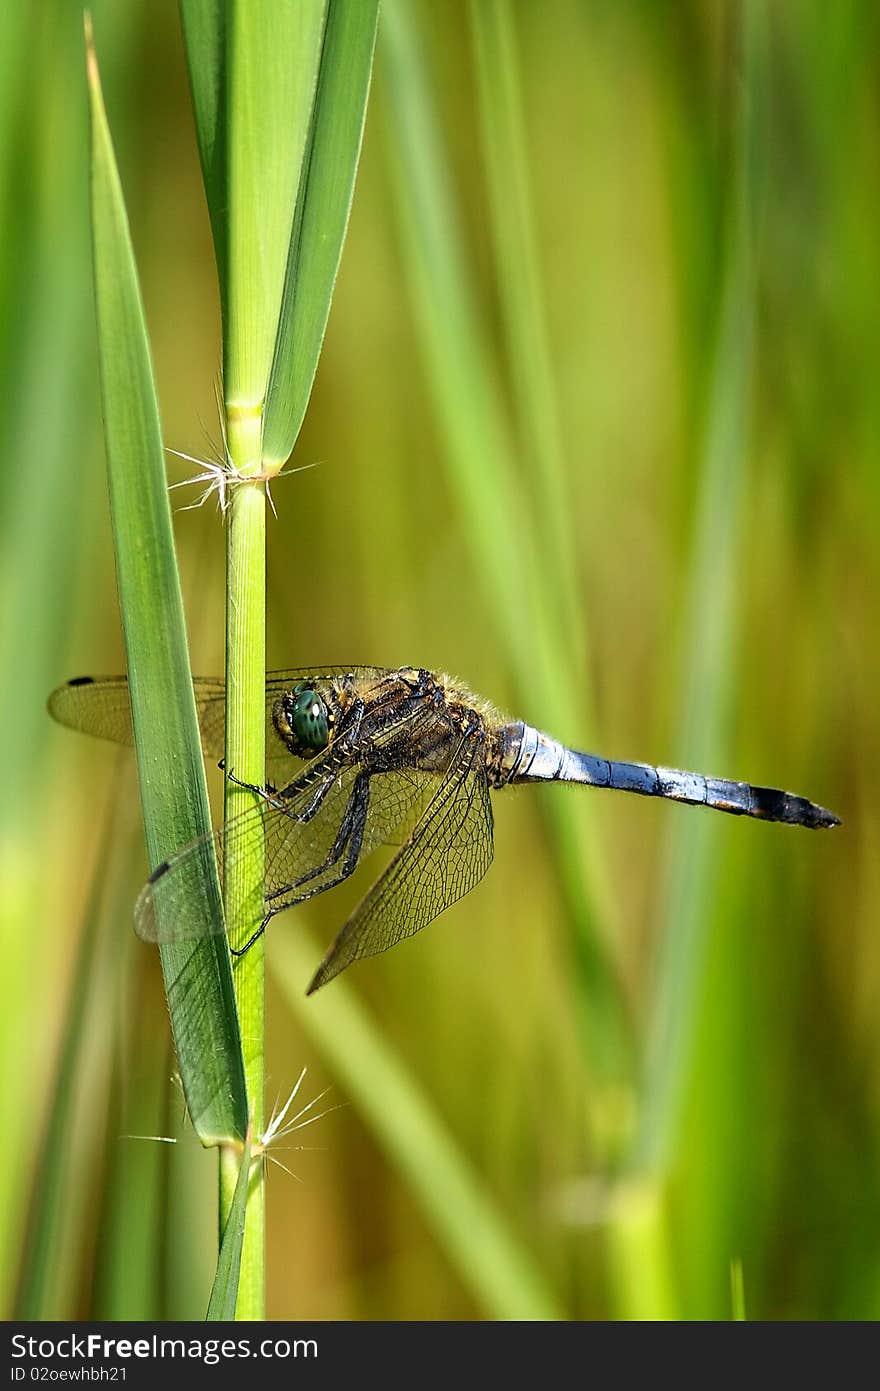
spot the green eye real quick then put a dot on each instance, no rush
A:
(309, 719)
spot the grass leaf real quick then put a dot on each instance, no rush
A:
(198, 978)
(253, 70)
(224, 1291)
(323, 204)
(204, 28)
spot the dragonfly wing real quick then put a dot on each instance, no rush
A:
(279, 681)
(359, 812)
(176, 903)
(446, 855)
(99, 705)
(312, 834)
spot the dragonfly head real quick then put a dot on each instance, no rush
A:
(303, 720)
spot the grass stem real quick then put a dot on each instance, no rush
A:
(245, 756)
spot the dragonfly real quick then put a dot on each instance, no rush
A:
(364, 756)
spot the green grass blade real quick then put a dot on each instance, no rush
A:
(272, 58)
(224, 1291)
(198, 978)
(253, 71)
(323, 206)
(485, 1250)
(204, 29)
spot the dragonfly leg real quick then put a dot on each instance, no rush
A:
(327, 781)
(267, 793)
(350, 833)
(348, 867)
(239, 952)
(356, 817)
(317, 801)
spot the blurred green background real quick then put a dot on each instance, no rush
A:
(615, 465)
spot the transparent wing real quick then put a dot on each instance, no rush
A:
(313, 833)
(95, 705)
(99, 705)
(446, 855)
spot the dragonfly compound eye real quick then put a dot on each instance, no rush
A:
(309, 719)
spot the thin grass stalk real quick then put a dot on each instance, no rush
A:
(246, 756)
(280, 93)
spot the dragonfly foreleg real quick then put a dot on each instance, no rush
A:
(318, 797)
(268, 793)
(278, 796)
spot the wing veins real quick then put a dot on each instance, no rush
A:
(366, 933)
